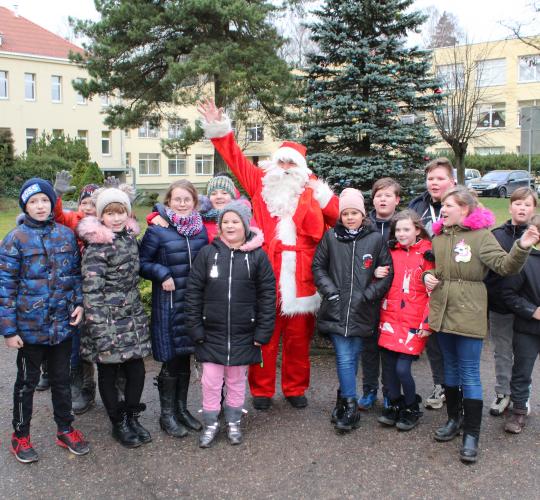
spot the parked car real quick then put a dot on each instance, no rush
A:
(471, 174)
(501, 183)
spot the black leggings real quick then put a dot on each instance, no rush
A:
(397, 367)
(107, 374)
(175, 367)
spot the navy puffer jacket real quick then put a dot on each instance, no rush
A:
(166, 254)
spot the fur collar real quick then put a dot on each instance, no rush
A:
(479, 218)
(91, 230)
(255, 240)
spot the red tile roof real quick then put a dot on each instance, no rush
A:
(25, 37)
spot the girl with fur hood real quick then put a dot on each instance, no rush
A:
(465, 249)
(116, 332)
(230, 313)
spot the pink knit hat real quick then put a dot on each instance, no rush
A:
(352, 198)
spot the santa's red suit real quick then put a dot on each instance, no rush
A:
(293, 208)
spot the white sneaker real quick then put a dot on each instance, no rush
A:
(436, 399)
(499, 405)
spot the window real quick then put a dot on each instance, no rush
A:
(82, 135)
(176, 129)
(80, 99)
(105, 101)
(30, 86)
(106, 142)
(178, 165)
(31, 136)
(526, 104)
(3, 84)
(56, 88)
(127, 133)
(451, 76)
(148, 131)
(128, 159)
(491, 72)
(255, 132)
(254, 104)
(148, 163)
(529, 69)
(204, 164)
(491, 115)
(494, 150)
(57, 132)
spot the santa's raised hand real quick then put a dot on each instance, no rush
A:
(209, 111)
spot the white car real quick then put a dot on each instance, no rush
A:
(471, 175)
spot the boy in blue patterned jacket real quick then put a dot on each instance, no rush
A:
(40, 304)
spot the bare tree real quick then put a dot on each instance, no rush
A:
(528, 32)
(460, 71)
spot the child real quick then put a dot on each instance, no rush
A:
(230, 313)
(343, 271)
(116, 330)
(385, 195)
(439, 179)
(40, 304)
(166, 257)
(522, 294)
(464, 250)
(403, 321)
(501, 319)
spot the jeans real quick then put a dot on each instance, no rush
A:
(212, 382)
(436, 360)
(372, 360)
(29, 358)
(462, 363)
(398, 375)
(526, 350)
(501, 331)
(348, 351)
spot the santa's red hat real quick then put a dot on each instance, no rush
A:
(291, 151)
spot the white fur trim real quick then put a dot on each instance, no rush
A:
(217, 129)
(286, 231)
(322, 193)
(287, 153)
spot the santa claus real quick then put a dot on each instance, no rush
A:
(293, 208)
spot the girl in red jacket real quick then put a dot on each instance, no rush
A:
(404, 316)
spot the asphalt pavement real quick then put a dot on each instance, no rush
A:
(287, 453)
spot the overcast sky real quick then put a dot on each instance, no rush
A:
(480, 19)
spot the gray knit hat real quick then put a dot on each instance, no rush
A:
(241, 209)
(221, 182)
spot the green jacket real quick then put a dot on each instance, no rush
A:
(463, 255)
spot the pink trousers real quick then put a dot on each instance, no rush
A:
(212, 382)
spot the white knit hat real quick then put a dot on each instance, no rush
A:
(107, 196)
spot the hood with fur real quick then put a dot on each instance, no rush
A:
(479, 218)
(91, 230)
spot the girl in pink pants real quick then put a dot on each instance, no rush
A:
(230, 311)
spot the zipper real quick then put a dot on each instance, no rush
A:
(171, 295)
(229, 310)
(247, 263)
(351, 290)
(189, 251)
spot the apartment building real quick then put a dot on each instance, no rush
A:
(507, 75)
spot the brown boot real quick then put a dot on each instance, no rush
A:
(516, 421)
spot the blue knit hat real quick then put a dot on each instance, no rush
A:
(241, 209)
(221, 182)
(34, 186)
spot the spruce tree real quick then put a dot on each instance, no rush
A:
(366, 93)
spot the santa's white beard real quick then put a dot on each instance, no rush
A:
(282, 188)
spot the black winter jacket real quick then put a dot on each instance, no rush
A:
(230, 302)
(166, 254)
(426, 208)
(522, 294)
(345, 269)
(506, 235)
(380, 225)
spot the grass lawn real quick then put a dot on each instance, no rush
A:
(9, 211)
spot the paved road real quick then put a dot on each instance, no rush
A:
(287, 453)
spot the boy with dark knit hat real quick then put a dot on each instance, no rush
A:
(42, 257)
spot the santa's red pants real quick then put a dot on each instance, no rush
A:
(296, 332)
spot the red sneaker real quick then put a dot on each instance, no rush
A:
(74, 441)
(23, 450)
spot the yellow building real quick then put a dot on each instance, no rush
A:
(506, 74)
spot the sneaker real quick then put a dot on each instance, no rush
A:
(499, 405)
(73, 440)
(367, 401)
(23, 450)
(436, 399)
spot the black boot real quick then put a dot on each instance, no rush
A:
(409, 415)
(87, 390)
(472, 410)
(133, 415)
(122, 432)
(350, 416)
(338, 409)
(167, 395)
(454, 409)
(43, 383)
(390, 414)
(182, 413)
